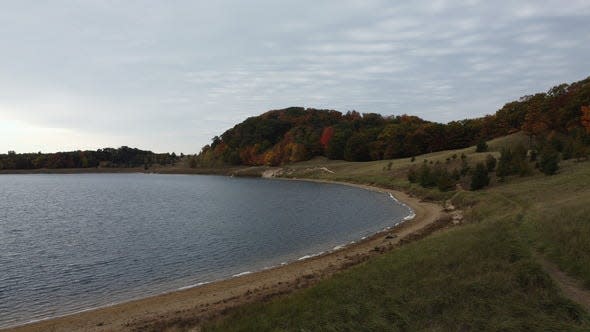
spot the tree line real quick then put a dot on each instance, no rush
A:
(296, 134)
(107, 157)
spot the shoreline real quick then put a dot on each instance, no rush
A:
(195, 303)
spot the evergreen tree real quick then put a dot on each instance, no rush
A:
(426, 176)
(549, 161)
(444, 181)
(480, 177)
(481, 146)
(412, 175)
(490, 163)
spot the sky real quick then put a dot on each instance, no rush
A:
(169, 75)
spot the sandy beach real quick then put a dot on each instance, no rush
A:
(193, 305)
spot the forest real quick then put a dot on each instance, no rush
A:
(296, 134)
(108, 157)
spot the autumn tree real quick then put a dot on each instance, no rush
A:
(585, 120)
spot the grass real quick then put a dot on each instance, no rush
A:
(480, 276)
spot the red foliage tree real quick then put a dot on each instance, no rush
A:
(327, 135)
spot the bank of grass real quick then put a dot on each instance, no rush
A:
(558, 225)
(479, 276)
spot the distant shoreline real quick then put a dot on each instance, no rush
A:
(209, 300)
(245, 171)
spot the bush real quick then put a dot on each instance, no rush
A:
(549, 161)
(481, 146)
(490, 163)
(568, 151)
(480, 177)
(513, 162)
(444, 181)
(412, 175)
(426, 177)
(464, 167)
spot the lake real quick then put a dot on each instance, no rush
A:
(79, 241)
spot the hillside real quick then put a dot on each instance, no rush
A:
(296, 134)
(484, 275)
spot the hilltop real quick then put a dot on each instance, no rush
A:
(297, 134)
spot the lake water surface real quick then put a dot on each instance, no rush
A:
(79, 241)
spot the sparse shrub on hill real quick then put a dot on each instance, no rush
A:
(549, 161)
(480, 177)
(430, 177)
(426, 176)
(444, 180)
(490, 163)
(412, 175)
(465, 168)
(513, 162)
(481, 146)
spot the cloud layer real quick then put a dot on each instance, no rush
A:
(168, 77)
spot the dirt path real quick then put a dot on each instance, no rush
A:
(572, 288)
(191, 306)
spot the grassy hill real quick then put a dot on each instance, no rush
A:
(482, 276)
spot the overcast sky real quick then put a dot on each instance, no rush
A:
(169, 75)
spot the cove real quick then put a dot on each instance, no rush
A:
(72, 242)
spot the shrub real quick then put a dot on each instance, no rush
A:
(444, 181)
(481, 146)
(426, 177)
(549, 161)
(480, 177)
(412, 175)
(490, 162)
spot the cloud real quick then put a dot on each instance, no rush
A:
(169, 76)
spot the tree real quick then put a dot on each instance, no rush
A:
(549, 161)
(490, 163)
(426, 177)
(586, 118)
(192, 163)
(480, 177)
(357, 148)
(444, 181)
(481, 146)
(412, 175)
(327, 134)
(579, 151)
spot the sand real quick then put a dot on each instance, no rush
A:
(193, 305)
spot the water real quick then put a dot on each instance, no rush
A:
(79, 241)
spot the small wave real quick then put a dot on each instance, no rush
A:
(393, 197)
(410, 216)
(241, 274)
(309, 256)
(194, 285)
(339, 247)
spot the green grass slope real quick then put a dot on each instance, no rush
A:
(481, 276)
